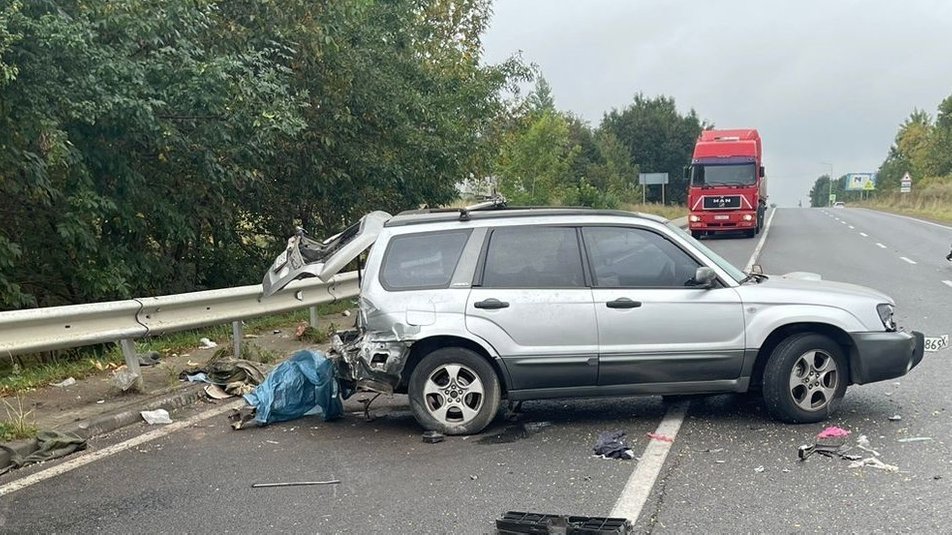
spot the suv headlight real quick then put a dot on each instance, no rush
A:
(886, 312)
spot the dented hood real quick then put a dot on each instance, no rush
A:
(304, 257)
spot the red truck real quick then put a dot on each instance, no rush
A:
(727, 190)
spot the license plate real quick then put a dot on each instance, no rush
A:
(722, 217)
(935, 343)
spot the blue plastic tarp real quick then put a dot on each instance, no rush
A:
(303, 385)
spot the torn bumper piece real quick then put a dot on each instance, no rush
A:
(303, 385)
(885, 355)
(369, 362)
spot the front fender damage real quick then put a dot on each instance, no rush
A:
(368, 360)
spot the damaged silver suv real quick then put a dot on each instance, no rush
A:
(460, 309)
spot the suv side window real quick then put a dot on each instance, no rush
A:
(623, 257)
(422, 261)
(533, 257)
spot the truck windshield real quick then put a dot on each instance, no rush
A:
(723, 175)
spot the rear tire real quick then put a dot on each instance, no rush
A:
(805, 379)
(696, 234)
(455, 391)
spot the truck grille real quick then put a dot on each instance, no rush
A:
(721, 202)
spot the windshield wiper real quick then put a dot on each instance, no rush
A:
(757, 277)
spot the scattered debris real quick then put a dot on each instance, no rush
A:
(64, 383)
(158, 416)
(216, 392)
(124, 378)
(366, 403)
(100, 402)
(520, 522)
(432, 437)
(190, 364)
(716, 450)
(252, 336)
(863, 443)
(345, 313)
(833, 432)
(295, 484)
(236, 377)
(205, 343)
(936, 477)
(151, 358)
(302, 385)
(895, 418)
(786, 470)
(474, 477)
(873, 462)
(659, 437)
(276, 331)
(915, 439)
(759, 469)
(610, 446)
(720, 462)
(52, 445)
(272, 442)
(301, 328)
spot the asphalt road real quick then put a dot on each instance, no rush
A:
(199, 479)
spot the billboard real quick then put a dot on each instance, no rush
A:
(860, 182)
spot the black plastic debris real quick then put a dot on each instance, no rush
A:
(517, 522)
(611, 446)
(432, 437)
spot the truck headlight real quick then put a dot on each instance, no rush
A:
(695, 218)
(886, 312)
(748, 217)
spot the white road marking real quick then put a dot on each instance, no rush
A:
(881, 246)
(642, 479)
(760, 244)
(852, 227)
(844, 222)
(947, 283)
(911, 219)
(93, 456)
(907, 260)
(646, 472)
(863, 234)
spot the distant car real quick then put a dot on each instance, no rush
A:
(839, 204)
(460, 309)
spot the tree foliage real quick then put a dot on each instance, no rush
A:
(156, 147)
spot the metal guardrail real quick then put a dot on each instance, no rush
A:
(46, 329)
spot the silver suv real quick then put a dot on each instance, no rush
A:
(460, 309)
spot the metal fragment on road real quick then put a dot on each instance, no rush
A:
(759, 469)
(895, 418)
(295, 484)
(915, 439)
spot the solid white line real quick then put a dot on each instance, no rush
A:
(642, 479)
(947, 283)
(907, 260)
(863, 234)
(881, 246)
(93, 456)
(760, 244)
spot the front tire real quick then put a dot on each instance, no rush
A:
(805, 379)
(454, 391)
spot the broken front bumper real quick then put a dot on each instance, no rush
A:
(878, 356)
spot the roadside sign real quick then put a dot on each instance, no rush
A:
(905, 184)
(832, 198)
(860, 182)
(652, 179)
(869, 186)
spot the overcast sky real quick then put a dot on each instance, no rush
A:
(823, 81)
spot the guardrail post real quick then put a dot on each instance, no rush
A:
(313, 311)
(132, 362)
(236, 338)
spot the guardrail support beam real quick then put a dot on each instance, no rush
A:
(236, 338)
(132, 362)
(313, 311)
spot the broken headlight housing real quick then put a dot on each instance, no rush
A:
(886, 315)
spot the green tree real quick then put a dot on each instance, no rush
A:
(659, 139)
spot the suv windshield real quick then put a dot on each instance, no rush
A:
(735, 273)
(729, 175)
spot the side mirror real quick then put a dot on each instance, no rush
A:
(687, 173)
(762, 171)
(704, 277)
(756, 269)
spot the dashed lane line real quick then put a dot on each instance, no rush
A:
(903, 258)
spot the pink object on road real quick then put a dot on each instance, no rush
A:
(659, 437)
(833, 432)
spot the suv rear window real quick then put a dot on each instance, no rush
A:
(533, 257)
(422, 261)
